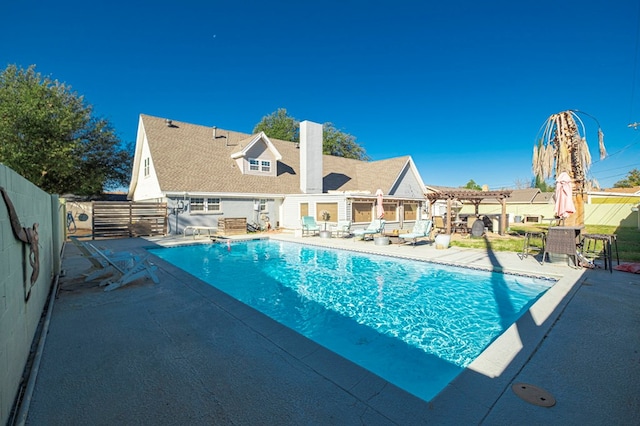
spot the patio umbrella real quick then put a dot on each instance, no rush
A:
(379, 207)
(564, 199)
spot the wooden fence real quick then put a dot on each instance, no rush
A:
(128, 219)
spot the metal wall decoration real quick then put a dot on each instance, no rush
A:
(27, 236)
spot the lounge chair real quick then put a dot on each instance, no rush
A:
(309, 226)
(438, 224)
(343, 228)
(375, 227)
(421, 229)
(129, 270)
(100, 267)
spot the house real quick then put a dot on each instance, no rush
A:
(207, 174)
(614, 195)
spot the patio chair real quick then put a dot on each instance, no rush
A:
(375, 227)
(100, 267)
(438, 224)
(421, 229)
(470, 221)
(129, 270)
(343, 228)
(309, 226)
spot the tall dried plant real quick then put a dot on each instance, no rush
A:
(563, 148)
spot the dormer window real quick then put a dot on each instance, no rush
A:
(258, 157)
(256, 165)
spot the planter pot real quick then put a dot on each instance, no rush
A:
(381, 241)
(442, 241)
(394, 240)
(325, 234)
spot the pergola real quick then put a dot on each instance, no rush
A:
(472, 196)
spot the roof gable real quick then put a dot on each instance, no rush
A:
(256, 139)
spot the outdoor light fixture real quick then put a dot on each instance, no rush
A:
(179, 208)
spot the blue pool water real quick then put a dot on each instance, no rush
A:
(416, 324)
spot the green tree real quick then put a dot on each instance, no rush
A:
(472, 185)
(632, 179)
(280, 125)
(340, 144)
(49, 136)
(542, 185)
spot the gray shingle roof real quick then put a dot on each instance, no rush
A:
(187, 158)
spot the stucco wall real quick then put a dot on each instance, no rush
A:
(19, 318)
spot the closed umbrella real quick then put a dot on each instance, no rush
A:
(564, 197)
(379, 207)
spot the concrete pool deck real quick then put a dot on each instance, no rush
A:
(182, 352)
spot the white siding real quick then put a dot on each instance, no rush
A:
(148, 187)
(291, 208)
(408, 185)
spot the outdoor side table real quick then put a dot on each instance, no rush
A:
(608, 241)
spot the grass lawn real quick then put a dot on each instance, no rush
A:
(628, 239)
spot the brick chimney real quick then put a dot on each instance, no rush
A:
(310, 157)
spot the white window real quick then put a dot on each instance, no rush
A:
(196, 205)
(205, 205)
(147, 166)
(213, 205)
(263, 206)
(256, 165)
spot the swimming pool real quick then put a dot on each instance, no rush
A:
(414, 323)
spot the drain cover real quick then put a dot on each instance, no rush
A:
(534, 395)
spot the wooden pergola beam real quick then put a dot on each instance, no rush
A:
(474, 197)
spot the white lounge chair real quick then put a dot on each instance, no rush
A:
(375, 227)
(343, 228)
(129, 270)
(309, 226)
(100, 267)
(421, 229)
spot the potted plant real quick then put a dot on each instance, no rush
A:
(325, 216)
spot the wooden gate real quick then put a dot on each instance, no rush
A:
(128, 219)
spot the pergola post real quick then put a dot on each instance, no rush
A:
(432, 204)
(476, 204)
(448, 224)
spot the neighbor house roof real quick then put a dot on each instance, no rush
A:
(632, 190)
(194, 158)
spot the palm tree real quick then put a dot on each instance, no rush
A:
(563, 148)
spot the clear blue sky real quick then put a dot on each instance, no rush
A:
(461, 86)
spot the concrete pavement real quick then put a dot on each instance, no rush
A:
(182, 352)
